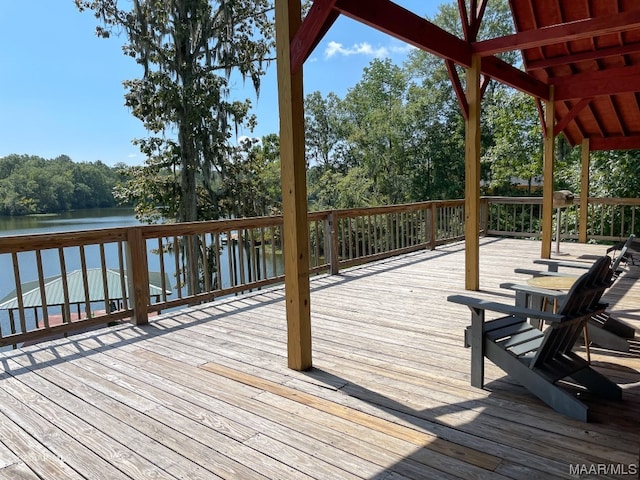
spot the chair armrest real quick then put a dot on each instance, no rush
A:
(533, 290)
(541, 273)
(552, 265)
(479, 304)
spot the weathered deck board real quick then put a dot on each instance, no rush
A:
(205, 393)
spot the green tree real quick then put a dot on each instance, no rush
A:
(93, 185)
(188, 51)
(379, 129)
(516, 147)
(153, 190)
(30, 184)
(438, 141)
(614, 173)
(254, 180)
(326, 131)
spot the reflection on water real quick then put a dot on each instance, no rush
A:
(76, 220)
(68, 221)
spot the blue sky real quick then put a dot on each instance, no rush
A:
(61, 87)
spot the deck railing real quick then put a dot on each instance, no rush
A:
(74, 280)
(70, 281)
(608, 219)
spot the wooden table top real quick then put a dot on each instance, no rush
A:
(553, 282)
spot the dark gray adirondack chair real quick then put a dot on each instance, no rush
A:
(604, 330)
(624, 256)
(540, 359)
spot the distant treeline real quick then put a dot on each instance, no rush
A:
(31, 184)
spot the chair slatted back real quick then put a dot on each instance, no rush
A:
(582, 300)
(622, 255)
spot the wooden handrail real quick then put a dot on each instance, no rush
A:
(237, 255)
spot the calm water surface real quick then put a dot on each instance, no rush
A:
(74, 221)
(68, 221)
(64, 222)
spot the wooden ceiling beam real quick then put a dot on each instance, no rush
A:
(580, 132)
(479, 13)
(471, 19)
(561, 33)
(509, 75)
(581, 128)
(486, 80)
(597, 120)
(464, 18)
(615, 143)
(584, 56)
(405, 25)
(458, 88)
(617, 117)
(571, 114)
(315, 25)
(613, 81)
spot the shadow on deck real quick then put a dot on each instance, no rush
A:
(205, 392)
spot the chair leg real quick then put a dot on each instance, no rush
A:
(585, 334)
(476, 342)
(556, 397)
(605, 339)
(598, 384)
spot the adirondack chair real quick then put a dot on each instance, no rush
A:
(602, 329)
(630, 246)
(540, 359)
(624, 255)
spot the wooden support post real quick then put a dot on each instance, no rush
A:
(433, 225)
(484, 216)
(138, 275)
(547, 188)
(333, 250)
(294, 188)
(584, 192)
(472, 178)
(476, 342)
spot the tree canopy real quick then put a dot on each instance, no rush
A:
(188, 52)
(31, 184)
(396, 136)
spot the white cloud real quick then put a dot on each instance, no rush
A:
(402, 48)
(364, 48)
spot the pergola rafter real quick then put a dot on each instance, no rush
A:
(562, 33)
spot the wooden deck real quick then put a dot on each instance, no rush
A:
(205, 393)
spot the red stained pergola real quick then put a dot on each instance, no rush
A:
(581, 64)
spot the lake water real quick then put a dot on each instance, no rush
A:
(74, 221)
(68, 221)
